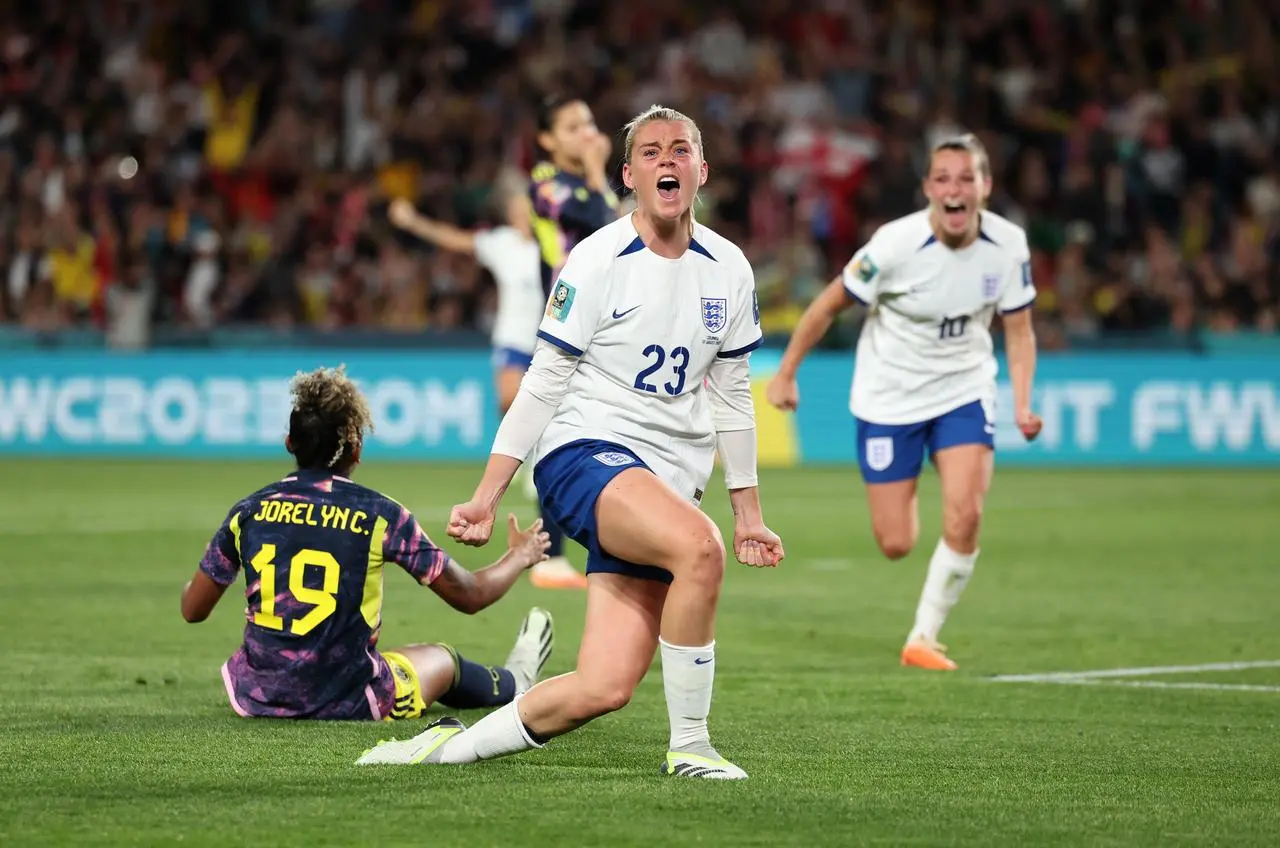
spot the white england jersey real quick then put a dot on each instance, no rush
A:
(513, 261)
(647, 329)
(926, 347)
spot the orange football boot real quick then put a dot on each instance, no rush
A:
(925, 653)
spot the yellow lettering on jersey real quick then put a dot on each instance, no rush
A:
(323, 601)
(286, 512)
(264, 564)
(303, 513)
(333, 516)
(356, 518)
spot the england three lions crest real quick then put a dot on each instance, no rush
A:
(990, 286)
(714, 314)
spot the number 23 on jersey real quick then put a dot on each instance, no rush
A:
(676, 361)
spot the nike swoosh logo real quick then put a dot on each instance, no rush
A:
(617, 314)
(700, 661)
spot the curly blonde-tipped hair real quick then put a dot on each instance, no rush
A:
(329, 419)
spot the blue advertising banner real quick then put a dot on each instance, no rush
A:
(425, 405)
(1113, 409)
(1098, 409)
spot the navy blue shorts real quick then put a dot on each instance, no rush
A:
(891, 452)
(510, 357)
(569, 481)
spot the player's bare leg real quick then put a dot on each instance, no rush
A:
(965, 473)
(435, 666)
(619, 638)
(624, 616)
(642, 520)
(446, 676)
(895, 520)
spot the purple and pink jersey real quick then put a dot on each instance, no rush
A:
(312, 547)
(565, 211)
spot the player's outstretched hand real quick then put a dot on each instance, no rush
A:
(757, 546)
(402, 213)
(471, 523)
(783, 393)
(1029, 423)
(529, 546)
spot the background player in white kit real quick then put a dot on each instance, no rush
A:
(925, 371)
(645, 310)
(511, 254)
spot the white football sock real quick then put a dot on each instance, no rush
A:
(498, 734)
(687, 675)
(949, 573)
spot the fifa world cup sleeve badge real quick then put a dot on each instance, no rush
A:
(866, 269)
(561, 301)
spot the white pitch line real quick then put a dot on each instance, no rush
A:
(1100, 674)
(1162, 684)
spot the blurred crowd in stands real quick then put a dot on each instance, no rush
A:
(206, 163)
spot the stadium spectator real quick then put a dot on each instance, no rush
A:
(198, 164)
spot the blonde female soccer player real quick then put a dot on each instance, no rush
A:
(640, 376)
(925, 374)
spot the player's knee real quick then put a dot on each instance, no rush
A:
(895, 539)
(604, 698)
(705, 559)
(895, 546)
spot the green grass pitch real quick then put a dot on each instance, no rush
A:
(116, 729)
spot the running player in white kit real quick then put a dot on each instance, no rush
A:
(640, 377)
(925, 371)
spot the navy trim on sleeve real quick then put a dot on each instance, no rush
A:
(853, 294)
(1030, 303)
(730, 354)
(560, 343)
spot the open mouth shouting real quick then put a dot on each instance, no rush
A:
(955, 213)
(668, 187)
